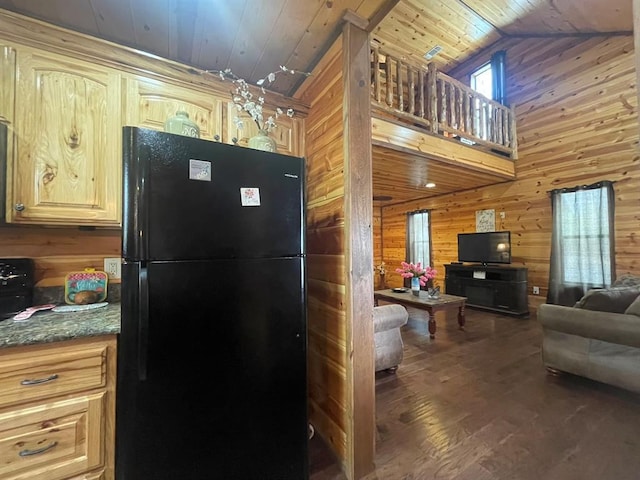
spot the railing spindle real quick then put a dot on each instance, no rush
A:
(433, 97)
(389, 81)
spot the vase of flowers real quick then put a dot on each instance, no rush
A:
(262, 141)
(249, 99)
(418, 274)
(382, 271)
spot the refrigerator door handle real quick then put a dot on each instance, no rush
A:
(143, 324)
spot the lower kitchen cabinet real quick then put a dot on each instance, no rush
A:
(57, 410)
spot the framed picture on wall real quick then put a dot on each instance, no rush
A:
(485, 220)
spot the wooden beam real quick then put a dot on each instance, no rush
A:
(393, 135)
(382, 12)
(358, 209)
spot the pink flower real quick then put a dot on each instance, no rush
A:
(410, 270)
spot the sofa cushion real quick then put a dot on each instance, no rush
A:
(614, 299)
(627, 280)
(634, 308)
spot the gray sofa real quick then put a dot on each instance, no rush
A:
(387, 320)
(598, 338)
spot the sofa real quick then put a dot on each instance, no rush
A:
(387, 320)
(598, 337)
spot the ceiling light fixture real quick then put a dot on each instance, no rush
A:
(430, 185)
(433, 52)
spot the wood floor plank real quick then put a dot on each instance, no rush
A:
(479, 405)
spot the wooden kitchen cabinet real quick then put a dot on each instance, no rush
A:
(7, 83)
(287, 134)
(66, 168)
(57, 410)
(150, 102)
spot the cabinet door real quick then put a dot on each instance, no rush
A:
(7, 83)
(67, 167)
(7, 116)
(286, 134)
(150, 103)
(54, 440)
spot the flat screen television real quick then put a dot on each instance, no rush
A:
(485, 247)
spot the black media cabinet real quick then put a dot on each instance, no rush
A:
(492, 287)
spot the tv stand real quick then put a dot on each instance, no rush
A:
(490, 287)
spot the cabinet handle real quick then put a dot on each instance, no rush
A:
(18, 207)
(39, 380)
(28, 453)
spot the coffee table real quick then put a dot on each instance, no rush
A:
(423, 302)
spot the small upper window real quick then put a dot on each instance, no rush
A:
(482, 80)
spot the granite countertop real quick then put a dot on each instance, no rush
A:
(47, 326)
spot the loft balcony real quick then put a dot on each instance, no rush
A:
(420, 112)
(426, 98)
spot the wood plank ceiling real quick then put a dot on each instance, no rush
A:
(255, 37)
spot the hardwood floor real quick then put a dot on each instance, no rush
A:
(478, 404)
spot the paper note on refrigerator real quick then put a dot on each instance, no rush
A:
(250, 197)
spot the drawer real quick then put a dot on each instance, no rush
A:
(46, 372)
(52, 441)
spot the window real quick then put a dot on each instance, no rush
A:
(419, 238)
(490, 78)
(482, 80)
(582, 248)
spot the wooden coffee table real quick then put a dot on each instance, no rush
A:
(423, 302)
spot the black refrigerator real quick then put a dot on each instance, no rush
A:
(212, 372)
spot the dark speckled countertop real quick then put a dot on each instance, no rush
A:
(47, 326)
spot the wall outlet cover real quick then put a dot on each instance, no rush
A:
(113, 267)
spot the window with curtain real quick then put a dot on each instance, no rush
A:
(419, 237)
(489, 80)
(582, 241)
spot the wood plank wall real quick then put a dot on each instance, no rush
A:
(58, 251)
(577, 124)
(326, 270)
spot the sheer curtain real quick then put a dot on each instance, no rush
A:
(582, 241)
(418, 239)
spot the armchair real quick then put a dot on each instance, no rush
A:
(387, 320)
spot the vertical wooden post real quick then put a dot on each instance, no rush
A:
(358, 218)
(432, 89)
(389, 81)
(412, 90)
(513, 133)
(376, 73)
(400, 80)
(467, 114)
(422, 85)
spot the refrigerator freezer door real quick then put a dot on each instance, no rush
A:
(187, 198)
(223, 392)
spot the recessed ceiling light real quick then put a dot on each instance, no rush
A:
(430, 185)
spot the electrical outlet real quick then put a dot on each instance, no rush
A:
(536, 290)
(113, 267)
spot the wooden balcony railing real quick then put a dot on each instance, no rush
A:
(423, 96)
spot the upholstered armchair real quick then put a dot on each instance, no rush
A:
(387, 320)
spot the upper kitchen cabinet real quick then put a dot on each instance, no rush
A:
(151, 102)
(7, 83)
(66, 168)
(287, 133)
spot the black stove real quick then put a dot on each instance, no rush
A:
(16, 285)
